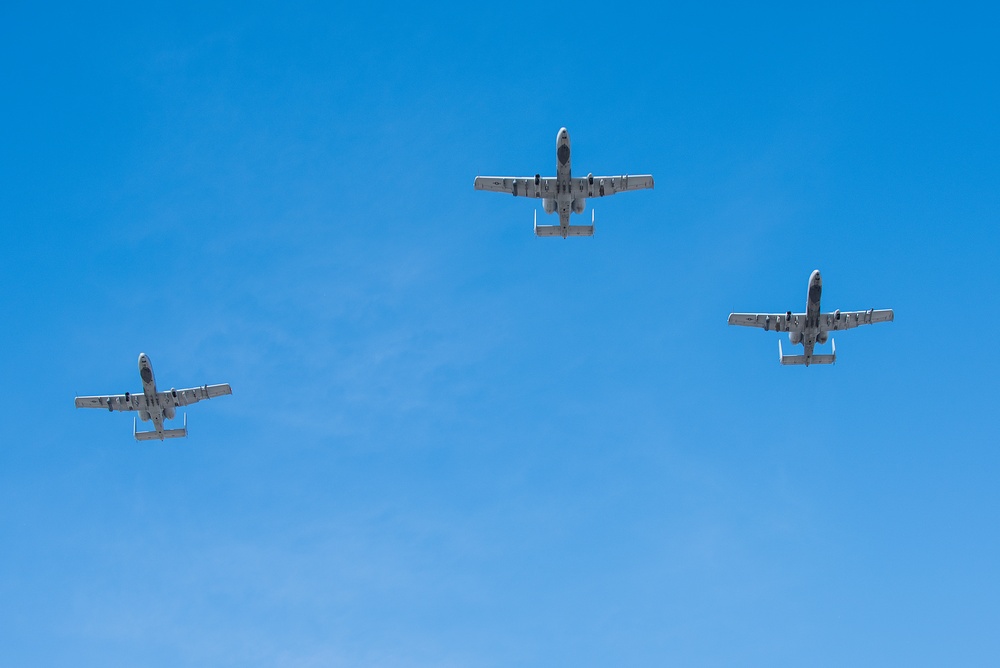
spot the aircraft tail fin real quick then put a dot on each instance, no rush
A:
(157, 436)
(791, 360)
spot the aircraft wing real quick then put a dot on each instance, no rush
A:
(779, 322)
(193, 395)
(519, 186)
(114, 402)
(602, 186)
(838, 320)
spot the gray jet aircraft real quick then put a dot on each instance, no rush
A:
(563, 193)
(153, 405)
(811, 327)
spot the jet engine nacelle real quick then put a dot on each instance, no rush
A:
(579, 205)
(169, 412)
(144, 416)
(548, 204)
(795, 337)
(822, 337)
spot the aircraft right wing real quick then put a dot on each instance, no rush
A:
(839, 320)
(779, 322)
(519, 186)
(194, 394)
(602, 186)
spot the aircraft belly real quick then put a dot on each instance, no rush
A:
(564, 205)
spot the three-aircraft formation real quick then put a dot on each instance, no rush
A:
(562, 194)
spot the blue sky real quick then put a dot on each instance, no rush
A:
(451, 443)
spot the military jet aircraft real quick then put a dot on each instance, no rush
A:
(811, 327)
(153, 405)
(563, 193)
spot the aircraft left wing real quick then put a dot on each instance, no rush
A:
(602, 186)
(193, 395)
(779, 322)
(114, 402)
(838, 320)
(519, 186)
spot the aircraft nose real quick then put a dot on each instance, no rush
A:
(143, 359)
(815, 278)
(563, 134)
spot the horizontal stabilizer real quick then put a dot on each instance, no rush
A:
(826, 359)
(823, 359)
(568, 231)
(159, 436)
(797, 360)
(791, 360)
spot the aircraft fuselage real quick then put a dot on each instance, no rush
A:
(155, 411)
(564, 201)
(811, 333)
